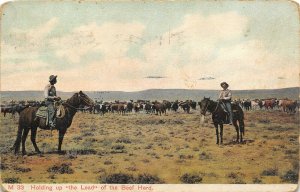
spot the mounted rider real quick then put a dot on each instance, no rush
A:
(50, 98)
(225, 98)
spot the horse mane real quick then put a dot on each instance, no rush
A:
(71, 99)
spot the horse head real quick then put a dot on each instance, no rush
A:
(204, 103)
(85, 100)
(80, 99)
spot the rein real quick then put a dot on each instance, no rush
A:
(71, 106)
(210, 112)
(77, 108)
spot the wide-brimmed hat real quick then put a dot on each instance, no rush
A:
(52, 78)
(224, 83)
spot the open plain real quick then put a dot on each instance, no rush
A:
(144, 148)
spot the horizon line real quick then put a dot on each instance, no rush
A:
(151, 89)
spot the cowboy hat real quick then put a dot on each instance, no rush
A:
(224, 83)
(52, 78)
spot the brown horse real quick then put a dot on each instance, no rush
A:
(219, 117)
(28, 121)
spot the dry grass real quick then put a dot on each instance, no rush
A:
(157, 149)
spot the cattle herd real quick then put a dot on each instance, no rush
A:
(159, 107)
(149, 107)
(286, 105)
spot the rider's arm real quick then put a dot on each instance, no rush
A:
(228, 96)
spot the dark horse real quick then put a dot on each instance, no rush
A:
(28, 121)
(219, 117)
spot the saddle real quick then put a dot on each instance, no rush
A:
(42, 112)
(233, 108)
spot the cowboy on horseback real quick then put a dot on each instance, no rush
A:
(225, 98)
(50, 98)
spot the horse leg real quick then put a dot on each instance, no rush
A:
(237, 130)
(24, 137)
(18, 140)
(241, 133)
(241, 126)
(60, 139)
(33, 136)
(217, 133)
(221, 133)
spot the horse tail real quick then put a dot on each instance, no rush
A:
(241, 122)
(17, 143)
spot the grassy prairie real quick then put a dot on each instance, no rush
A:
(157, 149)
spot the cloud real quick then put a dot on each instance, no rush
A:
(186, 51)
(31, 65)
(25, 44)
(155, 77)
(215, 45)
(34, 78)
(211, 47)
(110, 39)
(250, 64)
(206, 78)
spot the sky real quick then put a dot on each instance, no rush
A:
(131, 46)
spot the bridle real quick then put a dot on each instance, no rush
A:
(71, 106)
(206, 107)
(205, 110)
(79, 99)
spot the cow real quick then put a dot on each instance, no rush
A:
(246, 104)
(148, 108)
(159, 107)
(261, 103)
(193, 104)
(254, 104)
(167, 104)
(122, 108)
(118, 107)
(288, 105)
(174, 106)
(137, 107)
(12, 108)
(185, 106)
(100, 108)
(129, 107)
(269, 103)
